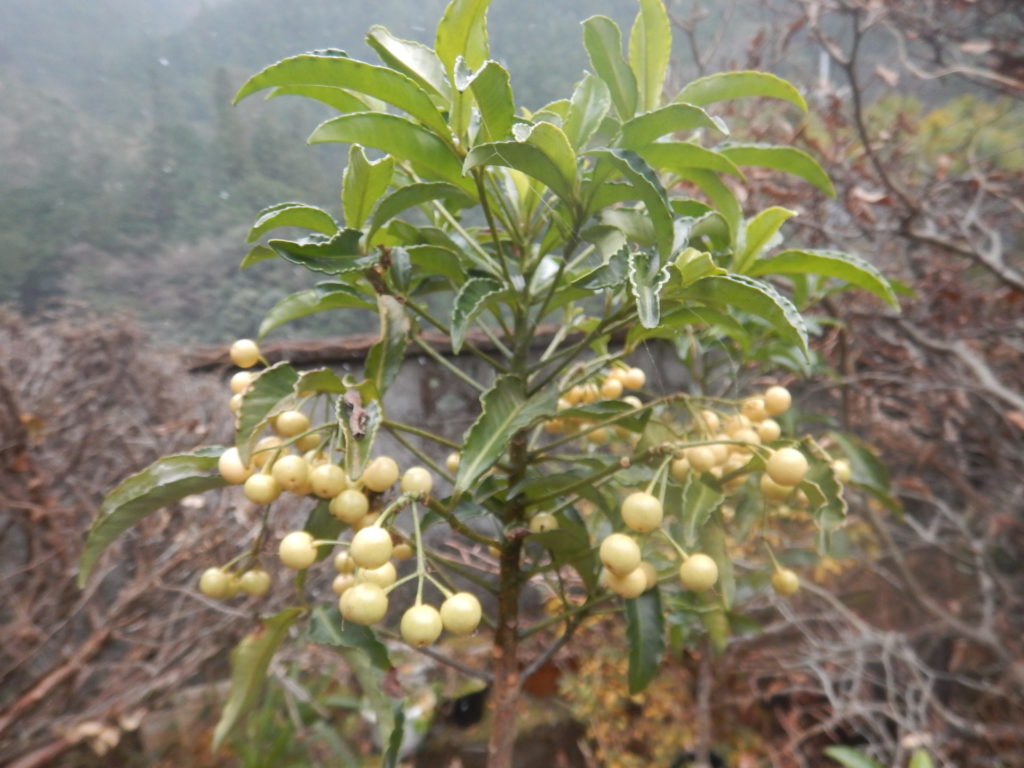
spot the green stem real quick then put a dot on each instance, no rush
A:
(426, 435)
(441, 360)
(421, 566)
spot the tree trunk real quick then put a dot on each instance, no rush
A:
(505, 690)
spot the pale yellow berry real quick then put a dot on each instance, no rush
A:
(698, 572)
(634, 378)
(240, 381)
(768, 430)
(777, 400)
(327, 480)
(291, 423)
(245, 353)
(417, 480)
(787, 466)
(380, 474)
(231, 468)
(291, 472)
(261, 489)
(611, 388)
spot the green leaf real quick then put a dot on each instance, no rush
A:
(385, 357)
(257, 254)
(552, 141)
(390, 757)
(716, 622)
(672, 118)
(163, 482)
(713, 543)
(700, 501)
(524, 157)
(603, 410)
(646, 635)
(411, 58)
(648, 188)
(842, 266)
(323, 526)
(679, 156)
(569, 544)
(671, 322)
(435, 260)
(342, 72)
(320, 299)
(270, 392)
(336, 98)
(328, 628)
(718, 193)
(786, 159)
(611, 275)
(319, 380)
(293, 215)
(469, 302)
(646, 279)
(463, 32)
(921, 759)
(505, 409)
(755, 297)
(761, 232)
(691, 265)
(396, 136)
(736, 85)
(866, 470)
(249, 662)
(650, 46)
(493, 93)
(603, 41)
(363, 184)
(410, 195)
(851, 758)
(590, 103)
(330, 256)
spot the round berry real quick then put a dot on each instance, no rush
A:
(749, 436)
(417, 480)
(380, 474)
(679, 469)
(632, 584)
(342, 582)
(598, 436)
(309, 442)
(297, 550)
(461, 613)
(264, 449)
(642, 512)
(735, 423)
(785, 582)
(841, 467)
(215, 583)
(753, 408)
(701, 458)
(620, 554)
(773, 491)
(651, 573)
(291, 423)
(698, 572)
(350, 506)
(542, 522)
(452, 462)
(244, 353)
(291, 472)
(235, 404)
(611, 388)
(633, 401)
(261, 489)
(371, 547)
(327, 480)
(255, 582)
(787, 466)
(591, 394)
(241, 381)
(364, 603)
(403, 551)
(231, 468)
(777, 400)
(383, 576)
(634, 378)
(768, 430)
(421, 625)
(710, 421)
(343, 562)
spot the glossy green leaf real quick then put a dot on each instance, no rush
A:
(319, 380)
(650, 47)
(469, 302)
(613, 274)
(385, 357)
(411, 58)
(329, 256)
(359, 414)
(787, 159)
(363, 184)
(399, 137)
(552, 141)
(603, 41)
(850, 757)
(505, 409)
(463, 32)
(293, 215)
(354, 75)
(736, 85)
(270, 392)
(435, 260)
(691, 265)
(646, 279)
(649, 189)
(756, 297)
(679, 156)
(569, 545)
(328, 628)
(761, 233)
(645, 632)
(921, 759)
(303, 303)
(163, 482)
(493, 93)
(525, 158)
(842, 266)
(673, 321)
(718, 193)
(257, 254)
(605, 410)
(713, 544)
(411, 195)
(700, 501)
(590, 103)
(672, 118)
(336, 98)
(249, 662)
